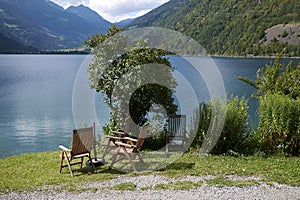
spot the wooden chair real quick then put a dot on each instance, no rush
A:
(110, 141)
(176, 133)
(130, 146)
(82, 141)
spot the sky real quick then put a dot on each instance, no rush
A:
(115, 10)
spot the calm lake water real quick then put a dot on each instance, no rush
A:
(36, 97)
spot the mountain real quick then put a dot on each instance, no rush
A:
(232, 27)
(8, 45)
(124, 23)
(44, 25)
(90, 16)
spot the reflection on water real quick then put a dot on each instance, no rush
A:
(32, 134)
(28, 129)
(36, 102)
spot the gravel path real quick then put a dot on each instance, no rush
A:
(102, 190)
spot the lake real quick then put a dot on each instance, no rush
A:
(36, 97)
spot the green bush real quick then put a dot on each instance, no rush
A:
(279, 129)
(235, 128)
(155, 142)
(202, 116)
(277, 88)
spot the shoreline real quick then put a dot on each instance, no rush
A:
(209, 55)
(254, 57)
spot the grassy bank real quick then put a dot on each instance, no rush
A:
(31, 171)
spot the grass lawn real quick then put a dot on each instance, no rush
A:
(34, 170)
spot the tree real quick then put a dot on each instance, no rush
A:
(277, 78)
(130, 74)
(95, 40)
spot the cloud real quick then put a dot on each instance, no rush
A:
(116, 10)
(67, 3)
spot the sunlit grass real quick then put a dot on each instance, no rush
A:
(153, 161)
(275, 168)
(36, 170)
(28, 171)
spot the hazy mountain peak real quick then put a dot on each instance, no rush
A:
(79, 6)
(54, 5)
(89, 15)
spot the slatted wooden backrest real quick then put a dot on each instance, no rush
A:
(176, 125)
(82, 141)
(142, 135)
(127, 124)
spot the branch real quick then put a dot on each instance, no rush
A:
(248, 81)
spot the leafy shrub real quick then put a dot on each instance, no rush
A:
(235, 128)
(203, 116)
(278, 78)
(279, 129)
(155, 142)
(277, 88)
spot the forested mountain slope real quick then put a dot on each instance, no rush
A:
(232, 27)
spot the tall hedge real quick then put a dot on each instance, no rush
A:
(279, 125)
(235, 128)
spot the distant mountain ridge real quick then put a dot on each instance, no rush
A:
(232, 27)
(124, 23)
(90, 16)
(44, 25)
